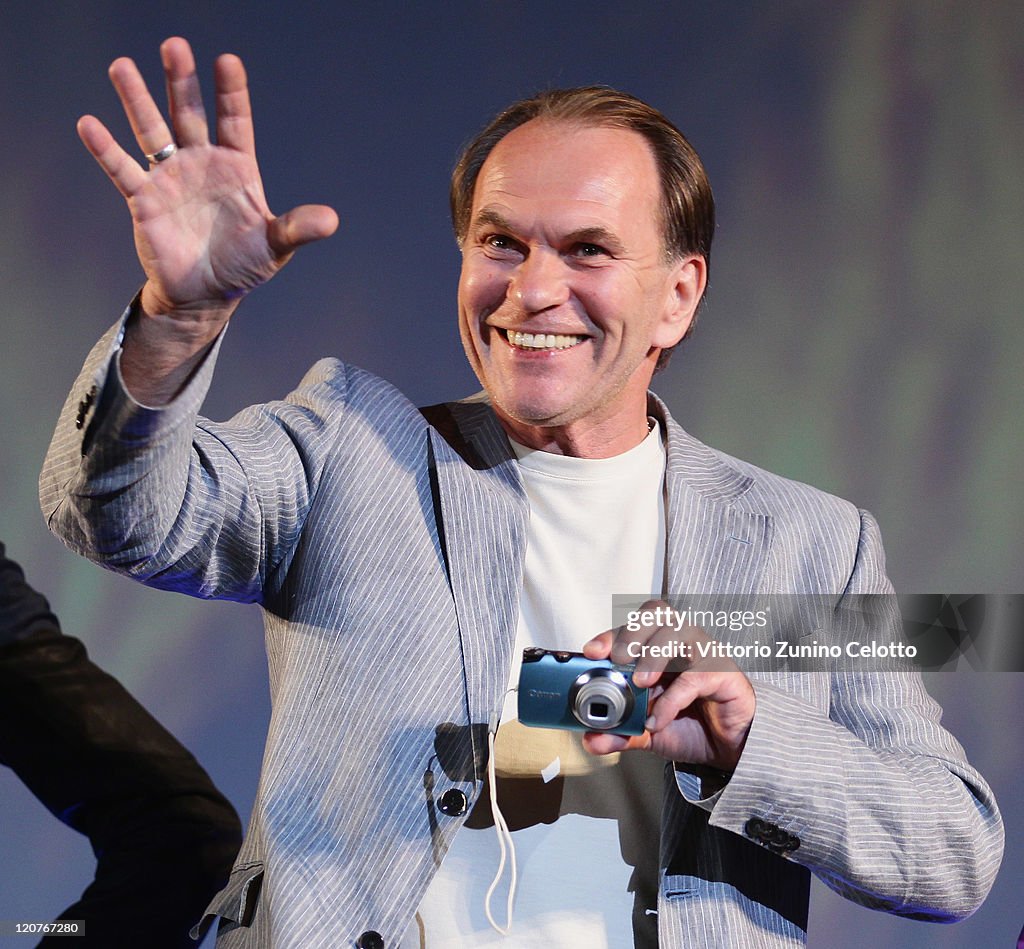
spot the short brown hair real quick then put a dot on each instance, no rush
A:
(687, 204)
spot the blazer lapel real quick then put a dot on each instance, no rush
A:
(483, 518)
(713, 546)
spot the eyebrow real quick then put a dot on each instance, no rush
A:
(595, 234)
(491, 218)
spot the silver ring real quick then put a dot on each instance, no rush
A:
(163, 154)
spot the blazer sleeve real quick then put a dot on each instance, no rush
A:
(178, 501)
(875, 797)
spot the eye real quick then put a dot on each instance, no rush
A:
(588, 250)
(500, 243)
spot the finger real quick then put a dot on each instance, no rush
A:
(678, 696)
(603, 743)
(151, 131)
(642, 627)
(184, 97)
(301, 225)
(600, 646)
(126, 173)
(234, 112)
(729, 690)
(666, 653)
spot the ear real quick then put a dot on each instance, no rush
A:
(687, 279)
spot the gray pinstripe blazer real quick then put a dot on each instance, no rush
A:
(386, 554)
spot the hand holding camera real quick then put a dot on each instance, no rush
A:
(700, 711)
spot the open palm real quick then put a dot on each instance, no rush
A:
(203, 230)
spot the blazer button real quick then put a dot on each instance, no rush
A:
(779, 838)
(371, 939)
(757, 828)
(453, 803)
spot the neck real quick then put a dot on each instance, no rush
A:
(579, 439)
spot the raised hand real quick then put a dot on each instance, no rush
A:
(204, 233)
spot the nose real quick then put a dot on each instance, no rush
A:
(540, 282)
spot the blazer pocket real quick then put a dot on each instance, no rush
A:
(236, 903)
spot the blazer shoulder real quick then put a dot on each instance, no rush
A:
(791, 499)
(365, 399)
(799, 511)
(822, 543)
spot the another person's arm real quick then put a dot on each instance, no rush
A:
(163, 835)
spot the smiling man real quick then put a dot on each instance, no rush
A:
(405, 558)
(568, 291)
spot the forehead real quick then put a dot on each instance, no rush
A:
(562, 167)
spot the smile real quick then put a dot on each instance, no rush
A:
(541, 340)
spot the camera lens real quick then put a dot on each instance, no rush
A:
(601, 699)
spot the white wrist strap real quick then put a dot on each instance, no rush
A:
(504, 840)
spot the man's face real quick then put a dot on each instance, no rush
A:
(565, 297)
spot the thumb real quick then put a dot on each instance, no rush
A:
(301, 225)
(603, 743)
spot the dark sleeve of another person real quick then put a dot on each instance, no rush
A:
(163, 835)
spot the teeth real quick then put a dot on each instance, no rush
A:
(542, 340)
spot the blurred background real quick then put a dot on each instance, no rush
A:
(863, 331)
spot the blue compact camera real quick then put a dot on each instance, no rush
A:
(567, 690)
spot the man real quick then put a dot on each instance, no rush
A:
(402, 558)
(163, 835)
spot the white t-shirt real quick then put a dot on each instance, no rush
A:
(586, 828)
